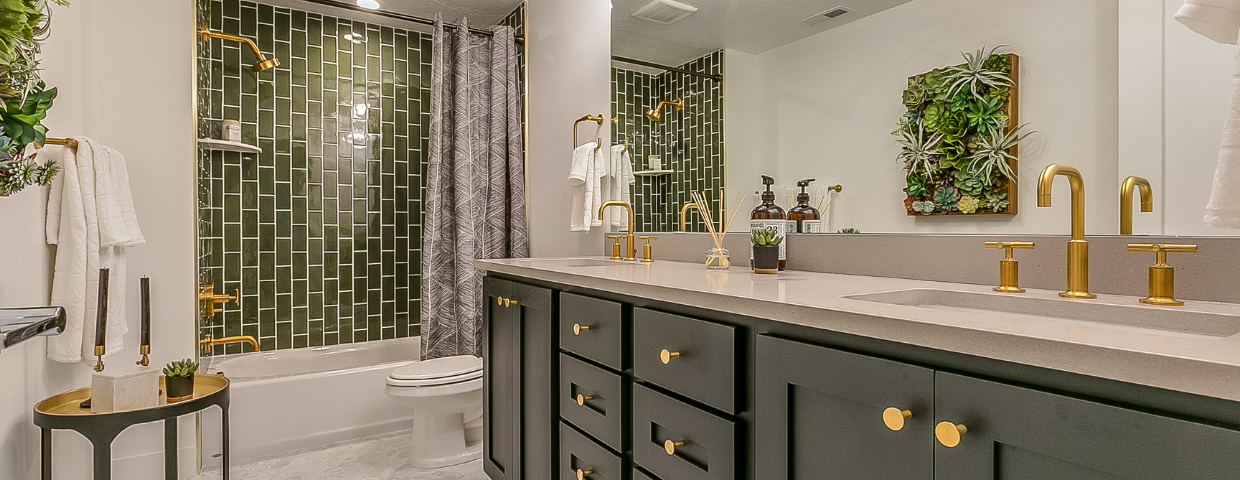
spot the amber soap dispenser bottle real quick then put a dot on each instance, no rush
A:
(807, 218)
(768, 214)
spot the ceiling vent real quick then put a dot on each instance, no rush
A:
(830, 14)
(664, 11)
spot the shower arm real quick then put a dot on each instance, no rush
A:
(262, 64)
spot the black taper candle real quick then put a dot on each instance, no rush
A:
(101, 323)
(146, 311)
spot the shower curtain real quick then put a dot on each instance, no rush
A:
(475, 184)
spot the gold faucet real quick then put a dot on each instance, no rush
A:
(1078, 248)
(207, 299)
(1162, 276)
(632, 245)
(207, 342)
(684, 211)
(1125, 201)
(1009, 268)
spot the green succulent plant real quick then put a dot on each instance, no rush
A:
(952, 150)
(850, 230)
(968, 204)
(986, 114)
(919, 153)
(935, 116)
(997, 201)
(915, 94)
(181, 368)
(946, 198)
(954, 125)
(917, 185)
(960, 101)
(1000, 93)
(768, 236)
(936, 84)
(970, 183)
(991, 154)
(924, 207)
(998, 63)
(974, 75)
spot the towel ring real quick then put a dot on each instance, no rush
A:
(595, 118)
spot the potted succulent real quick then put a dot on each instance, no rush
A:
(766, 250)
(179, 380)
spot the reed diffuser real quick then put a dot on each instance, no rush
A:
(717, 258)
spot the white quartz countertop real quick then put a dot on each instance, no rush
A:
(1174, 360)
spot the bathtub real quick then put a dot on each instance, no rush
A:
(293, 399)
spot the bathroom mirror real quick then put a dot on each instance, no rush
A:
(813, 89)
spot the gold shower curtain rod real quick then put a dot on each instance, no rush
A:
(400, 16)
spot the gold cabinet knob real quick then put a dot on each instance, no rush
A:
(499, 301)
(894, 418)
(508, 302)
(582, 474)
(666, 356)
(670, 446)
(578, 328)
(949, 433)
(582, 399)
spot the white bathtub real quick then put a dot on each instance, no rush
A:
(293, 399)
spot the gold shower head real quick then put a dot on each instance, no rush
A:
(263, 63)
(656, 114)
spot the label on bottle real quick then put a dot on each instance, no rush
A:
(781, 228)
(811, 226)
(792, 226)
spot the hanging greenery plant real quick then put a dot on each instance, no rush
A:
(24, 97)
(958, 138)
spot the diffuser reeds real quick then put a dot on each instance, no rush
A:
(717, 233)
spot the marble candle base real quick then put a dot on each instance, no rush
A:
(123, 389)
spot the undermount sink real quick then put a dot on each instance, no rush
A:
(1063, 311)
(585, 262)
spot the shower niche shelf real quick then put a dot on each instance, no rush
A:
(653, 173)
(215, 144)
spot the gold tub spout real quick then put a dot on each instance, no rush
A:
(1125, 201)
(632, 245)
(207, 342)
(1078, 248)
(684, 212)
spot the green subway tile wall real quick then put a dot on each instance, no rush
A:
(689, 141)
(321, 232)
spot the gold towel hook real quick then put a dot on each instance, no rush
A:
(595, 118)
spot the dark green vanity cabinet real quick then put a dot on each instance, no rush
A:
(518, 382)
(626, 388)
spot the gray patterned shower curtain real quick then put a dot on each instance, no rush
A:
(475, 184)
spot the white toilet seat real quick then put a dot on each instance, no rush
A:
(446, 395)
(439, 372)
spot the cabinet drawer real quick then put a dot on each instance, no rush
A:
(602, 411)
(592, 328)
(577, 452)
(1019, 433)
(704, 363)
(709, 449)
(640, 475)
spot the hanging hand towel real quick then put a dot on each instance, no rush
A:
(621, 179)
(586, 176)
(1218, 20)
(90, 217)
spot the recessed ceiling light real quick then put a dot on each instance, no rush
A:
(371, 4)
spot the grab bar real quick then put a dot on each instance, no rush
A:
(20, 324)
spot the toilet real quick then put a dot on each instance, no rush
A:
(446, 397)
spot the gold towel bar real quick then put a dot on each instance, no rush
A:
(596, 118)
(68, 142)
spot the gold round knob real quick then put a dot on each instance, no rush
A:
(578, 328)
(894, 418)
(508, 302)
(499, 300)
(582, 399)
(949, 433)
(582, 474)
(670, 446)
(666, 356)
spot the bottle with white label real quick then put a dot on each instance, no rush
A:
(807, 218)
(768, 214)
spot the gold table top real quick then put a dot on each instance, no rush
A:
(68, 403)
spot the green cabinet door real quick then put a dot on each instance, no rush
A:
(820, 415)
(519, 405)
(1014, 433)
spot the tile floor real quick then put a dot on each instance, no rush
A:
(375, 458)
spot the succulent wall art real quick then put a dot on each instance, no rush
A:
(24, 98)
(958, 138)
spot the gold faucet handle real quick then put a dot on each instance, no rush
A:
(1009, 268)
(1162, 276)
(615, 247)
(1142, 247)
(1009, 246)
(647, 249)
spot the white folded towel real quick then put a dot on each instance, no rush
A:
(1218, 20)
(586, 176)
(621, 178)
(90, 217)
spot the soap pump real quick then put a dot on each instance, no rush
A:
(807, 218)
(770, 215)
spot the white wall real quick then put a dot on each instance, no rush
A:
(569, 65)
(130, 88)
(826, 106)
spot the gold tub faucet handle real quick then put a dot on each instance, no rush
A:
(1162, 276)
(1009, 268)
